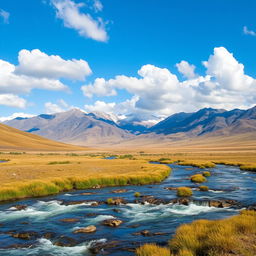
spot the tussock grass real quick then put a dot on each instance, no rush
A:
(196, 163)
(203, 188)
(152, 250)
(198, 178)
(32, 175)
(232, 236)
(60, 162)
(206, 174)
(137, 194)
(184, 192)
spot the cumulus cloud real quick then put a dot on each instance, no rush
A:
(60, 106)
(84, 23)
(11, 82)
(15, 115)
(186, 69)
(5, 16)
(97, 5)
(158, 91)
(39, 64)
(37, 70)
(12, 100)
(248, 32)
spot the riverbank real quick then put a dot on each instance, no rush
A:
(231, 236)
(34, 175)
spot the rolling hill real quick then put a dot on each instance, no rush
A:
(13, 139)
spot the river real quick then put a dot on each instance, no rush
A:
(42, 216)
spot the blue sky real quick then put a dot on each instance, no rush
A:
(125, 37)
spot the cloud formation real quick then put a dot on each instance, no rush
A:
(60, 106)
(5, 16)
(12, 100)
(248, 32)
(84, 23)
(37, 70)
(38, 64)
(158, 91)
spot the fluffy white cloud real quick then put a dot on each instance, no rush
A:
(97, 5)
(12, 100)
(186, 69)
(15, 115)
(84, 23)
(248, 32)
(37, 70)
(5, 16)
(38, 64)
(100, 87)
(159, 92)
(60, 106)
(11, 82)
(101, 106)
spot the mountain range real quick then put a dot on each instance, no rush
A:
(98, 128)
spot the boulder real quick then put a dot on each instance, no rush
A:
(118, 191)
(112, 222)
(89, 229)
(20, 207)
(70, 220)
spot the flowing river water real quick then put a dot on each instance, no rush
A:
(41, 218)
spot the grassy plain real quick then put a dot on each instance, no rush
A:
(28, 175)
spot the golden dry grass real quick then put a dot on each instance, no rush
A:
(34, 175)
(12, 139)
(232, 236)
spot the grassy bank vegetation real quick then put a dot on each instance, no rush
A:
(232, 236)
(244, 160)
(40, 175)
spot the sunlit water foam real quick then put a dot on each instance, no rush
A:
(41, 210)
(46, 247)
(137, 212)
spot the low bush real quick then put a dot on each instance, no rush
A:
(60, 162)
(206, 174)
(137, 194)
(152, 250)
(203, 188)
(184, 191)
(232, 236)
(198, 178)
(110, 201)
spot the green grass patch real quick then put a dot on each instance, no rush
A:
(184, 192)
(203, 188)
(59, 162)
(198, 178)
(206, 174)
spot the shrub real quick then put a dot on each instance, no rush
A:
(110, 201)
(203, 188)
(152, 250)
(61, 162)
(184, 191)
(137, 194)
(217, 238)
(206, 174)
(198, 178)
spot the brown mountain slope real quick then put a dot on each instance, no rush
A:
(13, 139)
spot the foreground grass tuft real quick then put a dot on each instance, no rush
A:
(206, 174)
(152, 250)
(184, 191)
(232, 236)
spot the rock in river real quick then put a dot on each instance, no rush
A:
(89, 229)
(112, 222)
